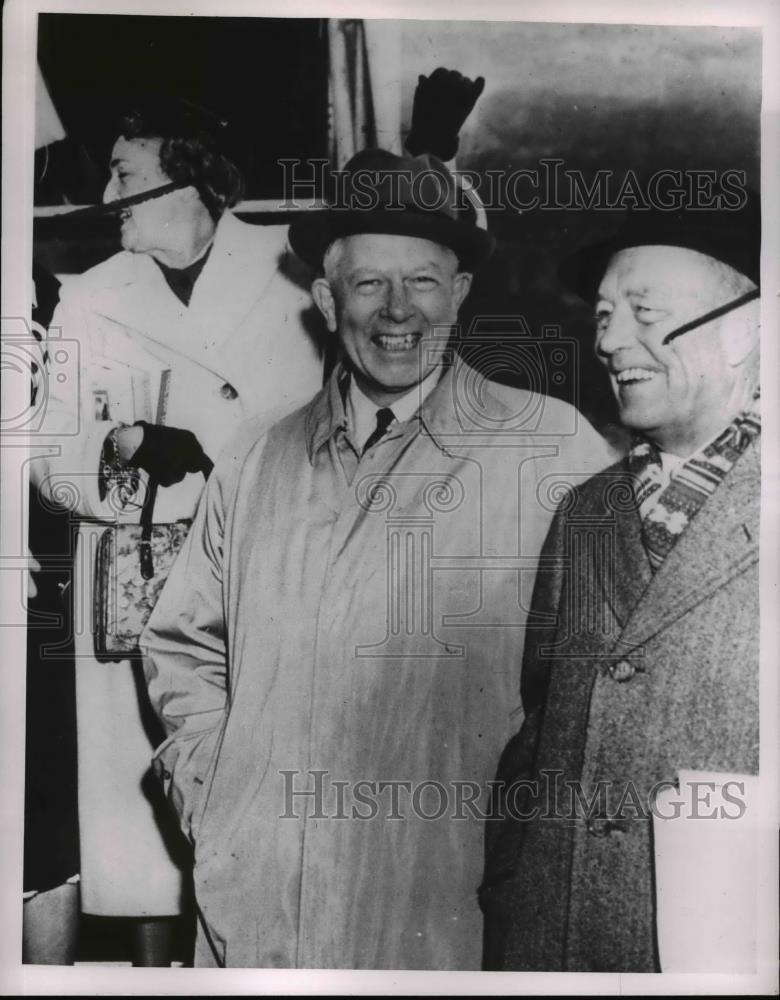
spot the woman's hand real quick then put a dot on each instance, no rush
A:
(168, 453)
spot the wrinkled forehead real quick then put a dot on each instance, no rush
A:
(385, 250)
(676, 273)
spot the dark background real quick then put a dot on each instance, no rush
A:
(266, 76)
(597, 96)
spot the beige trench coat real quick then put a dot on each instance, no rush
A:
(336, 656)
(238, 350)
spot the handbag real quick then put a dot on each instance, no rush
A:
(132, 563)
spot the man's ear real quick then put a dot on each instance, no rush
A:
(740, 333)
(323, 298)
(461, 285)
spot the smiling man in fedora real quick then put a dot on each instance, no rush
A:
(644, 664)
(335, 654)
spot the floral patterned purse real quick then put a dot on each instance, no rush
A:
(123, 598)
(131, 565)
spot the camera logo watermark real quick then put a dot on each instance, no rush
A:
(37, 369)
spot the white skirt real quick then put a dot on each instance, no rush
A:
(128, 837)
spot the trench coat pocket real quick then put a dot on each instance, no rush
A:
(184, 766)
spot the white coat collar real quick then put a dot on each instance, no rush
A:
(134, 294)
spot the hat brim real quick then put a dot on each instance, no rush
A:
(582, 271)
(311, 236)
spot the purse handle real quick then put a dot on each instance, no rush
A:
(147, 520)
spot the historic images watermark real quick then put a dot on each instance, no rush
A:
(318, 795)
(550, 186)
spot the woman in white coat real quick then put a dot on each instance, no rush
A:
(164, 349)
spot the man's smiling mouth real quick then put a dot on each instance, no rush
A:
(397, 342)
(630, 376)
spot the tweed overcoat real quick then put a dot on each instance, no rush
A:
(239, 349)
(339, 631)
(570, 891)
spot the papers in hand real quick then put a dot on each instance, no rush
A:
(706, 841)
(126, 393)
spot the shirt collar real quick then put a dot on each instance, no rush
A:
(361, 411)
(672, 463)
(439, 413)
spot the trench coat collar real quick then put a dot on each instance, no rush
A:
(441, 416)
(327, 413)
(719, 543)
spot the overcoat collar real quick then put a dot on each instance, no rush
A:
(720, 542)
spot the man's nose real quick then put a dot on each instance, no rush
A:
(616, 331)
(397, 306)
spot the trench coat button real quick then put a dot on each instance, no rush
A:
(622, 671)
(600, 827)
(167, 775)
(227, 391)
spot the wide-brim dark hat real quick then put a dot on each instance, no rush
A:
(732, 236)
(381, 193)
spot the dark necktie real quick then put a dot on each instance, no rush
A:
(384, 418)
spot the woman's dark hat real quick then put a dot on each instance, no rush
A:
(732, 236)
(177, 118)
(379, 192)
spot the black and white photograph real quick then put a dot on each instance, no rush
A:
(389, 539)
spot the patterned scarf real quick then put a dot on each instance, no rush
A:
(667, 510)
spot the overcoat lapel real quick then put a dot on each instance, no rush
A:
(201, 331)
(626, 573)
(235, 263)
(698, 565)
(603, 537)
(154, 316)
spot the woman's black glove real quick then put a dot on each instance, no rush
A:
(168, 454)
(442, 103)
